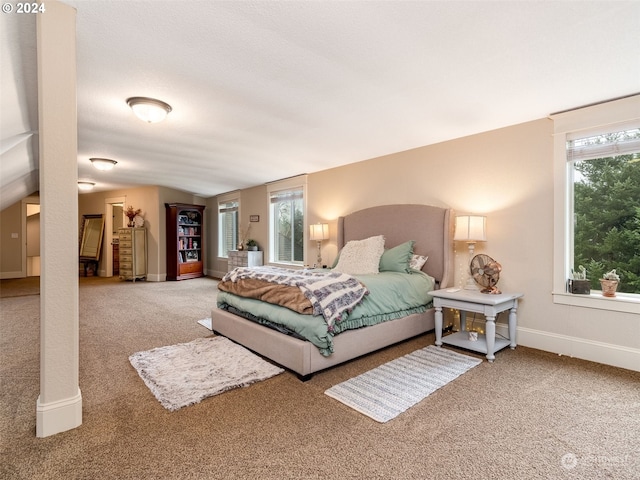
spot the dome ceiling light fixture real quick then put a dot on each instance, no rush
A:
(103, 163)
(86, 186)
(149, 110)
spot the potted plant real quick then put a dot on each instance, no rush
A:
(252, 245)
(578, 283)
(609, 283)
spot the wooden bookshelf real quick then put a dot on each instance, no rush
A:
(185, 241)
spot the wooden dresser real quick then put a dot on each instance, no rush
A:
(116, 257)
(244, 258)
(133, 253)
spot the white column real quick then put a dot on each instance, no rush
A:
(59, 406)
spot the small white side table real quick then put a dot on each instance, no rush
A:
(473, 301)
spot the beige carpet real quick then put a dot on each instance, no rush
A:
(19, 287)
(529, 415)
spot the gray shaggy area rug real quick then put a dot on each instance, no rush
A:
(186, 373)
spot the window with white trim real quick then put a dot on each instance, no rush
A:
(596, 201)
(227, 226)
(287, 221)
(604, 181)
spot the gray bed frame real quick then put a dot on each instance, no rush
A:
(432, 229)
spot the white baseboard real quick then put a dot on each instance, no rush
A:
(7, 275)
(600, 352)
(59, 416)
(215, 273)
(156, 277)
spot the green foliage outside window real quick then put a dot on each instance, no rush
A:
(290, 234)
(607, 219)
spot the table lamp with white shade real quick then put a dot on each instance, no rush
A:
(318, 233)
(471, 229)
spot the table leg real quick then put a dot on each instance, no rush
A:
(512, 326)
(438, 325)
(490, 334)
(463, 320)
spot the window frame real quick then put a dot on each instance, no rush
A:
(595, 119)
(293, 183)
(224, 199)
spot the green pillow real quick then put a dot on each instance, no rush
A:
(397, 259)
(335, 262)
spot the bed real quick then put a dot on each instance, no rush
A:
(430, 228)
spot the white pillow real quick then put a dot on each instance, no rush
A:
(361, 257)
(417, 262)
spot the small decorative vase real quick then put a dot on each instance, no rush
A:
(240, 246)
(609, 287)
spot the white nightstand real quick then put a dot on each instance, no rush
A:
(473, 301)
(244, 258)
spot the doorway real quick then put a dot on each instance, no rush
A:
(33, 239)
(31, 236)
(114, 220)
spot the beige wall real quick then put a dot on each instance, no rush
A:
(33, 235)
(507, 175)
(254, 202)
(479, 174)
(11, 249)
(145, 198)
(151, 201)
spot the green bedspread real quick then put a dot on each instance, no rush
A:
(392, 295)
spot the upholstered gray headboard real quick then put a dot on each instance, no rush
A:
(431, 228)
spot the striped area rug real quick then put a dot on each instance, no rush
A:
(388, 390)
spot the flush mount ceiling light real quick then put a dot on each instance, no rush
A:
(86, 186)
(103, 163)
(149, 109)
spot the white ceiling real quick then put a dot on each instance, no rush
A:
(263, 90)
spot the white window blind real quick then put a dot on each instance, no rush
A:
(227, 226)
(286, 195)
(228, 207)
(601, 146)
(287, 212)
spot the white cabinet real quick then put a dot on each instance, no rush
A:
(244, 258)
(133, 253)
